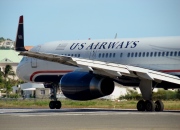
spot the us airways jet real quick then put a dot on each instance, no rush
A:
(87, 69)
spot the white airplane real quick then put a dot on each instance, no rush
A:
(87, 69)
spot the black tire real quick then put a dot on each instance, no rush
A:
(150, 105)
(58, 105)
(159, 105)
(141, 105)
(52, 104)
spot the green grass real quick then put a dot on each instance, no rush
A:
(44, 103)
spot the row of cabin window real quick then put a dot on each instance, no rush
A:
(73, 55)
(106, 55)
(151, 54)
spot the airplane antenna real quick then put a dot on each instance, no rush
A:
(115, 36)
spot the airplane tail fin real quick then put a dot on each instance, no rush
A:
(19, 43)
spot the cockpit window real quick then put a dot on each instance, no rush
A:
(23, 59)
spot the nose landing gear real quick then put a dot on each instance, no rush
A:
(54, 104)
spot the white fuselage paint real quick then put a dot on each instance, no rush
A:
(160, 54)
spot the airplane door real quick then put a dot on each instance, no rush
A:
(34, 60)
(93, 53)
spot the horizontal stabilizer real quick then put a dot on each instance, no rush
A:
(19, 43)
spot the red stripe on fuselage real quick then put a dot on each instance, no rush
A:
(67, 71)
(169, 71)
(49, 72)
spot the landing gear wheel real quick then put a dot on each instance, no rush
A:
(141, 105)
(159, 105)
(52, 105)
(149, 105)
(58, 104)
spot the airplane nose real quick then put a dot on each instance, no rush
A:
(21, 70)
(18, 71)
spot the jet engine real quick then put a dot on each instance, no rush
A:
(85, 86)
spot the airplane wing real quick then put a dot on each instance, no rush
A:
(105, 68)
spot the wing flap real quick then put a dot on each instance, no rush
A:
(102, 65)
(131, 71)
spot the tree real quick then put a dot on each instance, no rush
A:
(1, 81)
(2, 39)
(7, 83)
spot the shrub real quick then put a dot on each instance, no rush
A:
(166, 95)
(161, 94)
(132, 95)
(14, 96)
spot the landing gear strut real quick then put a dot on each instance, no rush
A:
(148, 105)
(54, 104)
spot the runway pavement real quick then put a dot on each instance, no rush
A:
(86, 119)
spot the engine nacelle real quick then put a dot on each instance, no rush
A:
(85, 86)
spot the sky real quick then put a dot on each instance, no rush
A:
(55, 20)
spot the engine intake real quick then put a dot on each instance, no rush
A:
(85, 86)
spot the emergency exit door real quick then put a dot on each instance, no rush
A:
(34, 60)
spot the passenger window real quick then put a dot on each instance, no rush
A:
(106, 55)
(139, 54)
(114, 54)
(143, 54)
(151, 54)
(121, 54)
(159, 53)
(78, 55)
(99, 55)
(128, 55)
(171, 54)
(163, 53)
(103, 55)
(147, 54)
(132, 54)
(136, 54)
(110, 54)
(167, 53)
(179, 53)
(175, 53)
(155, 53)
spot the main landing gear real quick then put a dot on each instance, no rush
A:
(54, 104)
(147, 104)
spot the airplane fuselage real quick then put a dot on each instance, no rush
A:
(159, 53)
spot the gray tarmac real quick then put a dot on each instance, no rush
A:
(87, 119)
